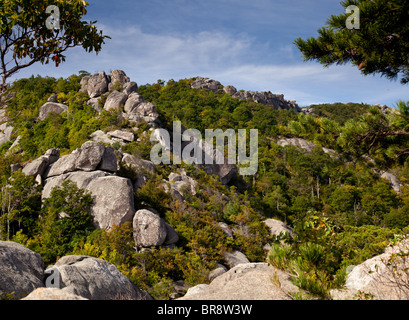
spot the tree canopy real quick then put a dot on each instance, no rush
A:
(42, 30)
(380, 45)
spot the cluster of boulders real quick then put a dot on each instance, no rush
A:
(121, 94)
(94, 167)
(277, 101)
(23, 274)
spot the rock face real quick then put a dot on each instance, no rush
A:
(303, 144)
(115, 100)
(113, 201)
(251, 281)
(51, 107)
(180, 183)
(112, 195)
(277, 101)
(90, 156)
(235, 258)
(277, 227)
(97, 84)
(96, 279)
(206, 83)
(385, 276)
(149, 229)
(21, 270)
(5, 133)
(52, 294)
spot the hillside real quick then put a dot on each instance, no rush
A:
(78, 180)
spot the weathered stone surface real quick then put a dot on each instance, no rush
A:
(230, 90)
(277, 101)
(51, 107)
(64, 164)
(81, 178)
(113, 201)
(251, 281)
(394, 180)
(52, 294)
(109, 161)
(303, 144)
(384, 276)
(196, 290)
(21, 270)
(102, 137)
(97, 84)
(206, 83)
(96, 279)
(53, 98)
(277, 227)
(52, 155)
(5, 133)
(134, 99)
(36, 167)
(90, 156)
(95, 103)
(235, 258)
(123, 135)
(149, 229)
(130, 87)
(119, 76)
(182, 183)
(217, 272)
(115, 100)
(138, 164)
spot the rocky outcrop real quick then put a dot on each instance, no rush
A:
(384, 277)
(179, 184)
(5, 133)
(206, 83)
(96, 279)
(235, 258)
(151, 230)
(250, 281)
(21, 270)
(97, 84)
(115, 101)
(113, 202)
(278, 227)
(304, 144)
(51, 107)
(138, 164)
(277, 101)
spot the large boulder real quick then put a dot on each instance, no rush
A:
(90, 156)
(138, 164)
(109, 161)
(251, 281)
(134, 99)
(113, 201)
(65, 164)
(277, 227)
(235, 258)
(52, 294)
(115, 100)
(149, 229)
(5, 133)
(384, 277)
(97, 84)
(21, 270)
(118, 76)
(36, 167)
(96, 279)
(51, 107)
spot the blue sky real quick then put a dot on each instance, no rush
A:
(248, 44)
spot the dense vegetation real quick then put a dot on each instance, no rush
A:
(342, 211)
